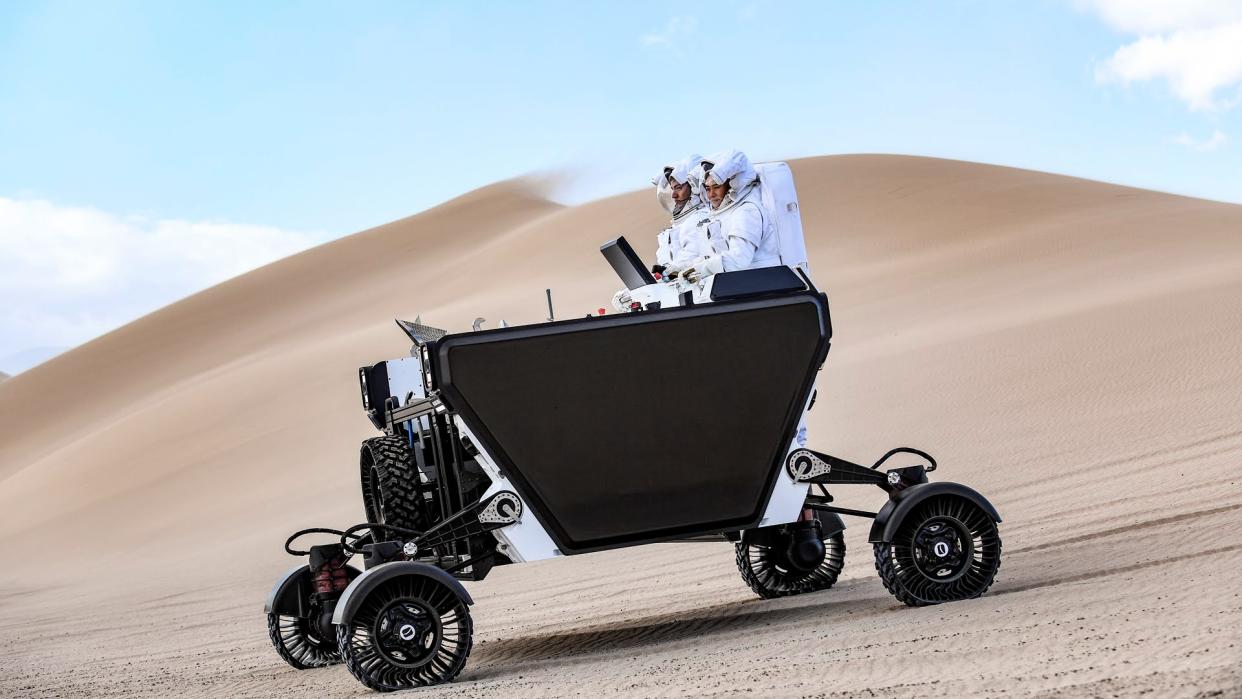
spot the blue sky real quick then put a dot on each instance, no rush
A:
(246, 131)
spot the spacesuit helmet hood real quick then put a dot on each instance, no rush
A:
(684, 171)
(730, 166)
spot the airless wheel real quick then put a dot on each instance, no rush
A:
(776, 571)
(946, 549)
(411, 631)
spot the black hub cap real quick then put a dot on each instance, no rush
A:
(943, 549)
(407, 633)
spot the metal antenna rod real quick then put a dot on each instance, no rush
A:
(551, 316)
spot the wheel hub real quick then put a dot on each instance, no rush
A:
(943, 549)
(407, 633)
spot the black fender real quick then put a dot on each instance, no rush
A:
(291, 592)
(830, 522)
(362, 586)
(884, 528)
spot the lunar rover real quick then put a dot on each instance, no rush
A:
(534, 442)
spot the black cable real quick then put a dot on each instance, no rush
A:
(304, 532)
(907, 450)
(372, 526)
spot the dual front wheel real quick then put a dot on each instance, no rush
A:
(410, 631)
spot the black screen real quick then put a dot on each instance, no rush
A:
(626, 264)
(634, 428)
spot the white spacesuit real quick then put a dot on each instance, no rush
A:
(736, 230)
(680, 243)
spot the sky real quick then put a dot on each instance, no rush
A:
(151, 149)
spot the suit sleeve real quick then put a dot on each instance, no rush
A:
(736, 242)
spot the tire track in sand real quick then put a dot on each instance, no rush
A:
(734, 617)
(1105, 572)
(1115, 531)
(661, 629)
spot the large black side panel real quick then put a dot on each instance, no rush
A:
(634, 428)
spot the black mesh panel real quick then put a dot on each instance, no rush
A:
(628, 429)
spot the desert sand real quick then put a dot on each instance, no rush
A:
(1069, 348)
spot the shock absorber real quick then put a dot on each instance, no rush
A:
(329, 578)
(328, 573)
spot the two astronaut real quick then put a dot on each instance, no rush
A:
(717, 220)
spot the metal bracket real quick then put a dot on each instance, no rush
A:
(807, 466)
(803, 465)
(505, 507)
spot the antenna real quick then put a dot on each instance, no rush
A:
(551, 315)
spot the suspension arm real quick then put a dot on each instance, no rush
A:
(806, 466)
(500, 510)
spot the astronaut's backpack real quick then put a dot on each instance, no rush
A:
(780, 208)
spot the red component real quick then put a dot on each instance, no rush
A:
(331, 576)
(658, 276)
(635, 306)
(601, 311)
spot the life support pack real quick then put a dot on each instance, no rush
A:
(779, 202)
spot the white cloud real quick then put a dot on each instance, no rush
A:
(677, 32)
(1194, 45)
(1211, 143)
(1144, 17)
(1197, 64)
(68, 274)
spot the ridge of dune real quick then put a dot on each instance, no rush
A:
(255, 311)
(1065, 346)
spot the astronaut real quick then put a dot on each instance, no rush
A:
(679, 192)
(736, 233)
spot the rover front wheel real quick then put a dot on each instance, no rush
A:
(411, 631)
(947, 549)
(767, 570)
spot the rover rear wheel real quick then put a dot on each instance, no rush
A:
(411, 631)
(946, 549)
(766, 570)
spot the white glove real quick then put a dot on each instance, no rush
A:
(621, 301)
(702, 268)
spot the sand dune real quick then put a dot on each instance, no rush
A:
(1068, 347)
